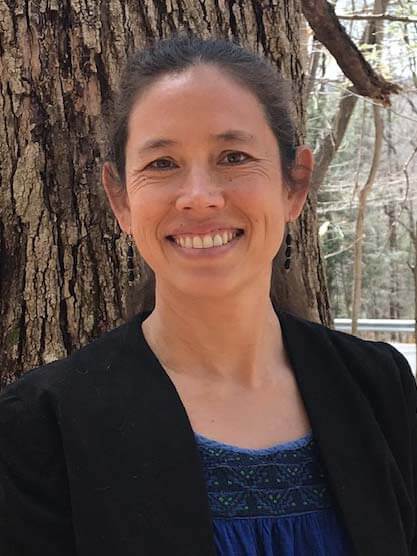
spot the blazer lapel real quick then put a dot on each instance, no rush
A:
(351, 443)
(177, 513)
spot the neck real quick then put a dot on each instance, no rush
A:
(237, 338)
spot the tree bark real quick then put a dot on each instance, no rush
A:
(63, 270)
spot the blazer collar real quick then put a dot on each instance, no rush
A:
(350, 440)
(351, 445)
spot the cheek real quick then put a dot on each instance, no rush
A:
(263, 203)
(146, 218)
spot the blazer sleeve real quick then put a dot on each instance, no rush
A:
(410, 395)
(35, 510)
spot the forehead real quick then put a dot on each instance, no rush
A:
(201, 100)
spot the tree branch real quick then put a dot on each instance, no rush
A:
(331, 143)
(329, 31)
(377, 17)
(341, 250)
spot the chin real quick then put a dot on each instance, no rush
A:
(207, 287)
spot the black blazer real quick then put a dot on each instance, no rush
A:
(98, 456)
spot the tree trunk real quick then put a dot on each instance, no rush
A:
(415, 287)
(394, 286)
(63, 271)
(360, 220)
(412, 230)
(375, 37)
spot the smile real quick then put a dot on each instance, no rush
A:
(206, 241)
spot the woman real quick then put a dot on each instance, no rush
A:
(212, 424)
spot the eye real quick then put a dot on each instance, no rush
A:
(160, 164)
(236, 155)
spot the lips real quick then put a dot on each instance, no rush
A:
(209, 244)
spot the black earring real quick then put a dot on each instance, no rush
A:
(130, 273)
(288, 241)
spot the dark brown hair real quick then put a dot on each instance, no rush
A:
(177, 54)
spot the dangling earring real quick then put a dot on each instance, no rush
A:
(288, 241)
(130, 273)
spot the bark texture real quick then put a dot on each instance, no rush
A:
(62, 257)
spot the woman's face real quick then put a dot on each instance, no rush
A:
(205, 199)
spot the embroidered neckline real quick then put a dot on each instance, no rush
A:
(279, 447)
(282, 480)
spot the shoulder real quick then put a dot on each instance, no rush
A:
(374, 366)
(43, 387)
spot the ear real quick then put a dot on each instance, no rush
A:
(300, 176)
(117, 196)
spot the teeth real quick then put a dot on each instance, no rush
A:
(207, 241)
(218, 240)
(197, 243)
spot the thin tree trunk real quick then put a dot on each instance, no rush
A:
(375, 30)
(62, 274)
(314, 65)
(394, 306)
(332, 141)
(412, 230)
(415, 287)
(360, 220)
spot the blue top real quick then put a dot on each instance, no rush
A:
(271, 502)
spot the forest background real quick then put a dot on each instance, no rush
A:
(389, 233)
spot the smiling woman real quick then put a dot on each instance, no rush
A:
(212, 129)
(198, 164)
(212, 423)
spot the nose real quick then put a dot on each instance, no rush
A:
(199, 190)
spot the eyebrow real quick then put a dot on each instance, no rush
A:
(236, 135)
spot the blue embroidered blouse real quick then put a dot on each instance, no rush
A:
(271, 502)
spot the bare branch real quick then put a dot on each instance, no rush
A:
(331, 143)
(377, 17)
(407, 228)
(407, 177)
(341, 250)
(322, 18)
